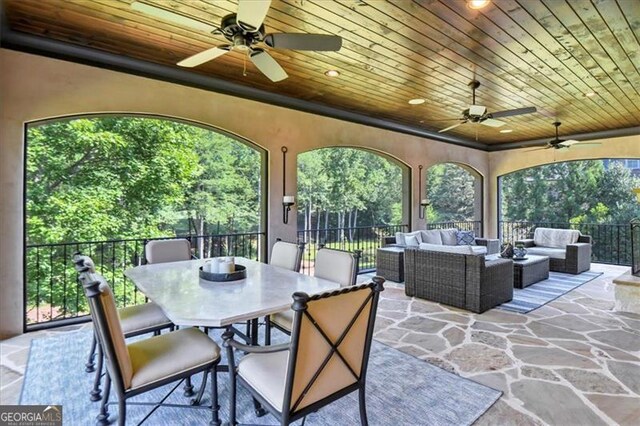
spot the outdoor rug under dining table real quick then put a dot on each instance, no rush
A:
(401, 390)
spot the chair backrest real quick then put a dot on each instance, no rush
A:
(336, 265)
(287, 255)
(161, 251)
(330, 343)
(106, 322)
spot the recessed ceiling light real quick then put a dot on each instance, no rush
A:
(417, 101)
(477, 4)
(332, 73)
(590, 94)
(506, 131)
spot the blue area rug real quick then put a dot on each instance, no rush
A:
(401, 390)
(539, 294)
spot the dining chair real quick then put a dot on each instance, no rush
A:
(161, 251)
(134, 321)
(288, 256)
(334, 265)
(144, 365)
(325, 360)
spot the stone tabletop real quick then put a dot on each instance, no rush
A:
(187, 299)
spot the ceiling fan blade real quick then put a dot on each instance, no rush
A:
(451, 127)
(251, 13)
(570, 142)
(512, 112)
(202, 57)
(268, 66)
(317, 42)
(538, 149)
(167, 15)
(586, 144)
(477, 110)
(492, 123)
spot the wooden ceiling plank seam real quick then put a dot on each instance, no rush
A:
(539, 50)
(629, 9)
(615, 52)
(489, 80)
(621, 29)
(579, 62)
(539, 78)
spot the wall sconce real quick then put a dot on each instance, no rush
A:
(288, 201)
(424, 202)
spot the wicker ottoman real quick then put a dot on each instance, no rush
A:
(390, 263)
(531, 270)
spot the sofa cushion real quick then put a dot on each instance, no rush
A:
(558, 238)
(478, 249)
(555, 253)
(431, 236)
(465, 238)
(401, 237)
(447, 249)
(411, 240)
(449, 236)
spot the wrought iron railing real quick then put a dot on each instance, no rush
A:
(365, 239)
(635, 247)
(611, 242)
(471, 225)
(53, 297)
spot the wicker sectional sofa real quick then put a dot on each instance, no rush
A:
(445, 237)
(568, 250)
(466, 281)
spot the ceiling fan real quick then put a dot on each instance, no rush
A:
(244, 30)
(558, 143)
(479, 114)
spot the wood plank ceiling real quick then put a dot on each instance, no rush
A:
(577, 61)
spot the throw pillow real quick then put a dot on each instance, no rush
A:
(431, 236)
(400, 239)
(411, 240)
(465, 238)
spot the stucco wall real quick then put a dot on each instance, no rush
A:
(504, 162)
(35, 88)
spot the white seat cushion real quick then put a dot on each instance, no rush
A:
(141, 317)
(554, 253)
(557, 238)
(431, 236)
(266, 373)
(449, 236)
(163, 356)
(283, 319)
(448, 249)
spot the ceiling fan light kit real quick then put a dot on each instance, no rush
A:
(244, 31)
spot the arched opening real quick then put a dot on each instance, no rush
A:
(106, 184)
(454, 192)
(350, 198)
(593, 196)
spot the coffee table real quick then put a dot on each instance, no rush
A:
(530, 270)
(390, 263)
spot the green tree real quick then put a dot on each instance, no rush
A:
(451, 193)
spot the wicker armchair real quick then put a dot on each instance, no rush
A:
(573, 259)
(466, 281)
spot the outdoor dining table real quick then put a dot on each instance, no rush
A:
(188, 300)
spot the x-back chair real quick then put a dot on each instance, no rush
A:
(331, 264)
(134, 320)
(150, 363)
(325, 360)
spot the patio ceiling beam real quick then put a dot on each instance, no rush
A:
(19, 41)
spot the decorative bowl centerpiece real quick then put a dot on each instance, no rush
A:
(220, 269)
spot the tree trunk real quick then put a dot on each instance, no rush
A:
(326, 224)
(200, 231)
(318, 218)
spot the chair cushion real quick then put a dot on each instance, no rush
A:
(285, 255)
(449, 236)
(465, 238)
(558, 238)
(266, 373)
(163, 356)
(554, 253)
(162, 251)
(135, 319)
(283, 319)
(447, 249)
(335, 265)
(431, 236)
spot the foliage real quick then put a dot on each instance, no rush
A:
(578, 192)
(450, 190)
